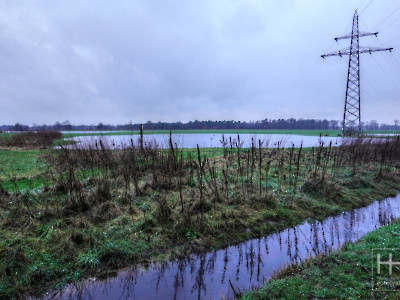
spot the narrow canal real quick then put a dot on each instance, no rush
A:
(245, 265)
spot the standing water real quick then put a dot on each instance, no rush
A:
(211, 140)
(246, 265)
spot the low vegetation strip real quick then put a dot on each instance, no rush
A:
(40, 139)
(344, 274)
(101, 209)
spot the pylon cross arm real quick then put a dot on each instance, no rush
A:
(360, 34)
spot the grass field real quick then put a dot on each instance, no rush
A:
(99, 210)
(21, 169)
(5, 134)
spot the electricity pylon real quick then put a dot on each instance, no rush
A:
(352, 116)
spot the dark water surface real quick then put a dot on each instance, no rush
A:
(245, 265)
(210, 140)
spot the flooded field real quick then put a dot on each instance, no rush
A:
(239, 267)
(213, 140)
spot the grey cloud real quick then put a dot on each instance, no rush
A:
(90, 61)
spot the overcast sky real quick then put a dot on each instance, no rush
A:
(91, 61)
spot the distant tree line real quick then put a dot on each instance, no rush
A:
(306, 124)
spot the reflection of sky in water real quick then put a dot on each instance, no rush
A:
(246, 265)
(214, 140)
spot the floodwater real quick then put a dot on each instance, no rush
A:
(246, 265)
(209, 140)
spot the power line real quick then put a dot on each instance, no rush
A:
(388, 76)
(378, 42)
(358, 7)
(336, 68)
(366, 7)
(396, 63)
(397, 37)
(380, 90)
(395, 21)
(392, 64)
(376, 85)
(386, 18)
(371, 83)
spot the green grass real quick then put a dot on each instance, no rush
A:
(23, 184)
(4, 135)
(344, 274)
(19, 163)
(22, 168)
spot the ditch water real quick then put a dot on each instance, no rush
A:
(246, 265)
(210, 140)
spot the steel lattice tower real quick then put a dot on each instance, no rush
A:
(352, 106)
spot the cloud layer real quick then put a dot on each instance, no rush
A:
(92, 61)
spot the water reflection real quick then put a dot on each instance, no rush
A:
(210, 140)
(249, 264)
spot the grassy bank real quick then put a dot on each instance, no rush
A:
(101, 209)
(344, 274)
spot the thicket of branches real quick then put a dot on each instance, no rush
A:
(40, 139)
(97, 174)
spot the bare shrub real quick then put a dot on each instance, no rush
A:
(40, 139)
